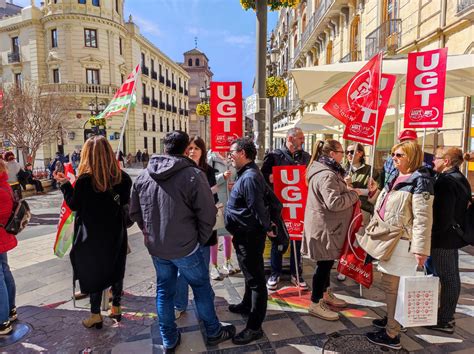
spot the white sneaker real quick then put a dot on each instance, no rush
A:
(302, 283)
(331, 299)
(215, 275)
(341, 277)
(322, 310)
(272, 282)
(229, 267)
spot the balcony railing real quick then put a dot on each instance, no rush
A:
(106, 90)
(168, 107)
(146, 100)
(168, 83)
(185, 92)
(154, 75)
(13, 57)
(387, 37)
(464, 5)
(354, 55)
(162, 79)
(162, 105)
(173, 86)
(181, 111)
(186, 113)
(312, 24)
(181, 90)
(154, 103)
(175, 110)
(145, 70)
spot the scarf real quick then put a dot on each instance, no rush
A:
(333, 165)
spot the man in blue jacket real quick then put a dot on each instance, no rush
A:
(247, 218)
(174, 207)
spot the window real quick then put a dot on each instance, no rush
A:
(18, 79)
(92, 76)
(15, 45)
(90, 38)
(159, 69)
(144, 90)
(152, 65)
(172, 78)
(161, 124)
(56, 76)
(154, 145)
(54, 38)
(153, 124)
(197, 62)
(117, 5)
(120, 46)
(122, 78)
(152, 93)
(144, 122)
(145, 142)
(166, 74)
(143, 59)
(329, 53)
(81, 1)
(96, 2)
(190, 62)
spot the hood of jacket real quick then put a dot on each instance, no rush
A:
(315, 168)
(163, 167)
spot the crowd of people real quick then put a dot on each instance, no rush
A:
(412, 212)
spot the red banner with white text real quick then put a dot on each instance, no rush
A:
(426, 83)
(226, 114)
(289, 185)
(362, 128)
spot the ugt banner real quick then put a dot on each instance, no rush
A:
(426, 82)
(362, 128)
(290, 187)
(226, 114)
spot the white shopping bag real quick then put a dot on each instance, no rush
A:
(417, 301)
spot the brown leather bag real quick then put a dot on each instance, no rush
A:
(380, 238)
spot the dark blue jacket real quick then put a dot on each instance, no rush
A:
(246, 210)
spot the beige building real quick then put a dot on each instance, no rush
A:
(320, 32)
(85, 48)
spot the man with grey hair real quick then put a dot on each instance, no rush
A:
(291, 154)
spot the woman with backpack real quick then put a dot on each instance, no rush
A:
(452, 194)
(7, 243)
(99, 250)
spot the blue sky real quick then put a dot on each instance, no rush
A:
(225, 32)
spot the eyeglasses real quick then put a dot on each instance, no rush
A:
(398, 155)
(350, 152)
(231, 152)
(438, 158)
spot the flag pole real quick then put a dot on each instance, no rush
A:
(423, 141)
(376, 118)
(124, 124)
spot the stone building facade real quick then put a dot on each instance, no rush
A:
(85, 48)
(320, 32)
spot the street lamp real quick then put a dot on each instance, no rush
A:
(271, 67)
(204, 95)
(95, 108)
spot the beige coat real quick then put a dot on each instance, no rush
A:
(328, 213)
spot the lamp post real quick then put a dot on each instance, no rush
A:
(271, 67)
(204, 95)
(95, 108)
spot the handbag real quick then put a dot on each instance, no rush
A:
(417, 301)
(19, 217)
(219, 217)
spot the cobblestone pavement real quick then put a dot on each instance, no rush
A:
(44, 302)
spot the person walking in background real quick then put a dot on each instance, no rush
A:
(224, 174)
(75, 159)
(13, 168)
(7, 242)
(173, 205)
(139, 156)
(452, 194)
(196, 151)
(404, 209)
(99, 251)
(291, 154)
(145, 158)
(247, 218)
(328, 214)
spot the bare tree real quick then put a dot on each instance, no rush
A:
(32, 116)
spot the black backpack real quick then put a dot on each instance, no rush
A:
(20, 216)
(466, 230)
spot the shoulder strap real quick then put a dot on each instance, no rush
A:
(115, 196)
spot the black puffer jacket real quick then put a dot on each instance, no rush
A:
(451, 195)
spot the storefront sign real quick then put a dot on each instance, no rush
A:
(426, 82)
(290, 187)
(226, 114)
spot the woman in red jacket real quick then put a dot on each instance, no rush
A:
(7, 242)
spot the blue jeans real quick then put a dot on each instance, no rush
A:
(195, 271)
(7, 289)
(182, 287)
(276, 259)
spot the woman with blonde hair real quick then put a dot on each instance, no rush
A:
(327, 216)
(399, 233)
(99, 250)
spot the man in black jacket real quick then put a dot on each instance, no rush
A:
(248, 220)
(174, 207)
(291, 154)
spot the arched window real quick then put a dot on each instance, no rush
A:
(354, 40)
(190, 62)
(329, 53)
(197, 62)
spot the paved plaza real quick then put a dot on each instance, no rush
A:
(44, 290)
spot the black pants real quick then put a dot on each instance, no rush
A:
(249, 250)
(37, 184)
(321, 279)
(96, 298)
(446, 263)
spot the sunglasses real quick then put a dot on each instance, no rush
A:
(398, 155)
(350, 152)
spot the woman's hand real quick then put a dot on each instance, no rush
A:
(60, 177)
(358, 191)
(420, 259)
(227, 174)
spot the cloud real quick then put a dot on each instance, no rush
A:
(241, 40)
(147, 26)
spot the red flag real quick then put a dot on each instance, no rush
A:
(226, 114)
(363, 127)
(358, 99)
(290, 187)
(426, 82)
